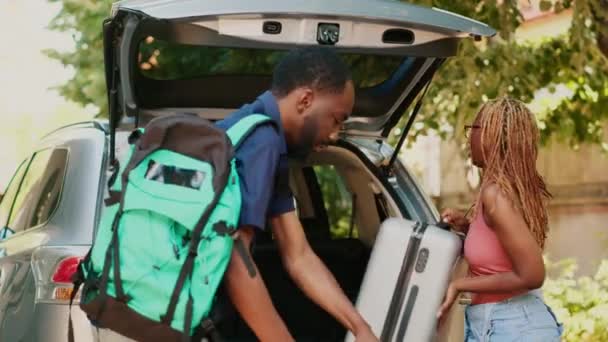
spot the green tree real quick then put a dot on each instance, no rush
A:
(481, 70)
(504, 66)
(83, 20)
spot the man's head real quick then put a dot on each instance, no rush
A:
(316, 95)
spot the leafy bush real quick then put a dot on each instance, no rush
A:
(581, 304)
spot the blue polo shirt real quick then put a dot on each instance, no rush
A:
(262, 164)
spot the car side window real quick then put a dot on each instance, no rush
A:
(338, 201)
(8, 199)
(40, 190)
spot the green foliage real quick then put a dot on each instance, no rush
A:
(338, 202)
(162, 60)
(580, 304)
(83, 20)
(504, 66)
(480, 71)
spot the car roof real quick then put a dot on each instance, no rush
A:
(102, 125)
(386, 10)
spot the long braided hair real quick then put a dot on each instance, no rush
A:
(509, 141)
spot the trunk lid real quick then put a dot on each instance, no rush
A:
(210, 57)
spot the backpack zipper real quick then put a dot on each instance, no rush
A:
(174, 245)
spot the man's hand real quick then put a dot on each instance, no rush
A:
(313, 277)
(365, 334)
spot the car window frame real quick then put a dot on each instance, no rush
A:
(61, 186)
(52, 213)
(416, 200)
(26, 165)
(409, 196)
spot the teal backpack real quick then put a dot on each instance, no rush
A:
(167, 230)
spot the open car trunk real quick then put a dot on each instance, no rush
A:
(206, 57)
(211, 57)
(341, 204)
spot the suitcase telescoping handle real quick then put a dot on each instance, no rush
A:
(443, 225)
(446, 226)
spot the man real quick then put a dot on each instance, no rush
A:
(312, 94)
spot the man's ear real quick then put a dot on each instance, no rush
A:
(304, 97)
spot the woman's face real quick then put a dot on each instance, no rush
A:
(475, 142)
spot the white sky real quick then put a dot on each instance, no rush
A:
(29, 73)
(26, 74)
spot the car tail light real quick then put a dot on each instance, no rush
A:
(53, 268)
(65, 270)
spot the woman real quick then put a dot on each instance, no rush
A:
(507, 232)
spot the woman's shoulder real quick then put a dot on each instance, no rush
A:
(494, 202)
(489, 194)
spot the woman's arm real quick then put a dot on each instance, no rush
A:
(524, 252)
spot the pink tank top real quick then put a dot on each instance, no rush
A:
(486, 256)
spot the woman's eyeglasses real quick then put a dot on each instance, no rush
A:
(468, 128)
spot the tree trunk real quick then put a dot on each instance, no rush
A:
(602, 37)
(602, 41)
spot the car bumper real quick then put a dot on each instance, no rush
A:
(50, 324)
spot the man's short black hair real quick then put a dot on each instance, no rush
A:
(317, 67)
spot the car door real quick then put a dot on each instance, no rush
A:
(35, 198)
(8, 199)
(6, 232)
(7, 267)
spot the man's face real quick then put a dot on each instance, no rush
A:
(321, 116)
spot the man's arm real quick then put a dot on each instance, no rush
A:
(250, 296)
(313, 277)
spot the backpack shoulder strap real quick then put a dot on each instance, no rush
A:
(240, 130)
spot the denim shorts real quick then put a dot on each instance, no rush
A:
(524, 318)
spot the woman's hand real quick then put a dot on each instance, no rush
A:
(449, 299)
(456, 219)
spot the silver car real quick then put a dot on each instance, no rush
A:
(208, 58)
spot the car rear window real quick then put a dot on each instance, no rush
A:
(162, 60)
(40, 189)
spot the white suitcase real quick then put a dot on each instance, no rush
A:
(406, 279)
